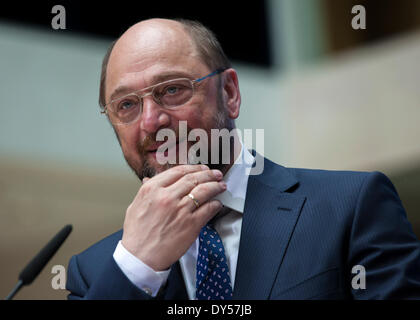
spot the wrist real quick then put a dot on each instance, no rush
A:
(138, 272)
(145, 258)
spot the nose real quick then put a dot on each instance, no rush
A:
(153, 116)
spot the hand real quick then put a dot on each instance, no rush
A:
(162, 221)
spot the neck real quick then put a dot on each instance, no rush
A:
(234, 152)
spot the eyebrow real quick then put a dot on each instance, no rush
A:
(162, 77)
(121, 90)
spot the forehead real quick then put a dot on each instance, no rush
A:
(144, 53)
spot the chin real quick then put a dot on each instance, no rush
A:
(148, 170)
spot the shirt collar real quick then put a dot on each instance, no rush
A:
(237, 180)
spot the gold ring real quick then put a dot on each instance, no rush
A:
(197, 204)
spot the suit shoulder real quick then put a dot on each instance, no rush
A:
(83, 267)
(317, 180)
(100, 250)
(338, 181)
(320, 174)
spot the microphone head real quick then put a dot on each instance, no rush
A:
(35, 266)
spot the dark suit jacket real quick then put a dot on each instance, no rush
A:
(302, 232)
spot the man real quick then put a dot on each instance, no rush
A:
(215, 232)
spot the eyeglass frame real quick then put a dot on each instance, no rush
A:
(150, 93)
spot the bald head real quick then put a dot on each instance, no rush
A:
(149, 40)
(153, 35)
(147, 48)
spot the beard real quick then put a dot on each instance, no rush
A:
(147, 169)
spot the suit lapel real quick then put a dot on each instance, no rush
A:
(269, 218)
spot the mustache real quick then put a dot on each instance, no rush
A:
(146, 143)
(150, 140)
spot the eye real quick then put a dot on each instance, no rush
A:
(171, 90)
(127, 105)
(173, 94)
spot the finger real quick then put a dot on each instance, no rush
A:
(188, 182)
(203, 193)
(206, 212)
(171, 175)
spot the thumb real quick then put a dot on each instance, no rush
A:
(145, 180)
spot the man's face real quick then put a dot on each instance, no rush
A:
(149, 54)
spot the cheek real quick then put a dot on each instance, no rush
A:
(129, 138)
(199, 115)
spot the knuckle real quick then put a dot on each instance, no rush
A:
(191, 180)
(146, 188)
(217, 205)
(182, 170)
(191, 185)
(165, 199)
(205, 188)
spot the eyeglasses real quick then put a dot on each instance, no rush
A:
(168, 94)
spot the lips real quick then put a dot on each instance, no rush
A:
(154, 147)
(153, 150)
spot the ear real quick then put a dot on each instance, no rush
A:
(231, 93)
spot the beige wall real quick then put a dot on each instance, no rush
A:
(37, 200)
(358, 111)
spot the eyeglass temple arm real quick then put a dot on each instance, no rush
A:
(211, 74)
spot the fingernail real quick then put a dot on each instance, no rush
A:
(217, 173)
(223, 184)
(204, 167)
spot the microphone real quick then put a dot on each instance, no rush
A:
(34, 267)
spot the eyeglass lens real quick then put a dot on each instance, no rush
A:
(169, 94)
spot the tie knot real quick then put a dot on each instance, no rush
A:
(209, 234)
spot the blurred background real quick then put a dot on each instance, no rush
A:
(328, 96)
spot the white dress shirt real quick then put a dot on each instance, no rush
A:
(228, 227)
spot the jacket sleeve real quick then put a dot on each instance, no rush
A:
(110, 283)
(383, 243)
